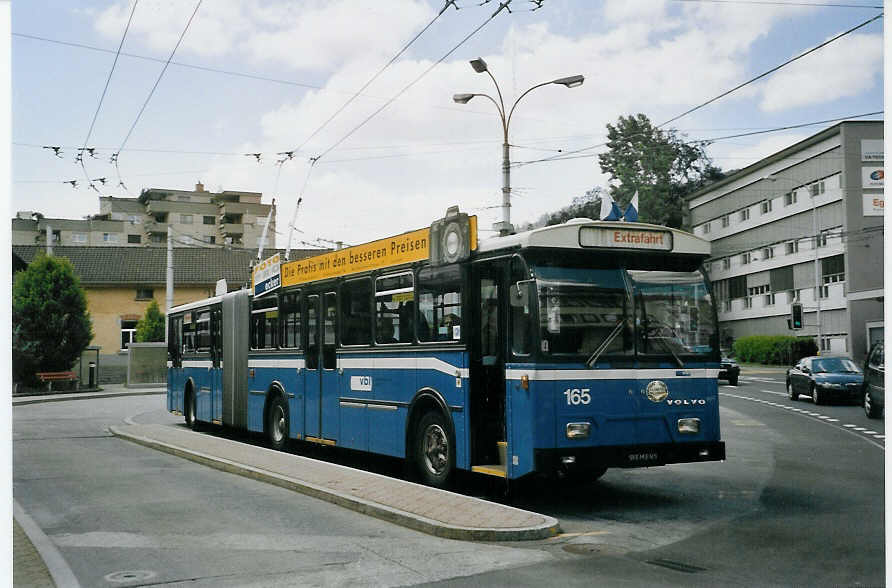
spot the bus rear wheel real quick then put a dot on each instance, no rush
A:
(277, 423)
(434, 450)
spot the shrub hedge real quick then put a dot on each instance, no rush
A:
(774, 349)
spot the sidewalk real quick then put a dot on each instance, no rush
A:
(107, 391)
(426, 509)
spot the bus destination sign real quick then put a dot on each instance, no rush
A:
(405, 248)
(266, 276)
(622, 238)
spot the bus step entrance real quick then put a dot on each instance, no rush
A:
(499, 469)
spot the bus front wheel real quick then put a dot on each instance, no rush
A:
(434, 449)
(277, 423)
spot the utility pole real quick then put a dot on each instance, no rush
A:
(169, 299)
(49, 241)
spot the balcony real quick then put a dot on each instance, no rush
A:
(757, 306)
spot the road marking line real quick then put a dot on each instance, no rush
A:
(860, 429)
(848, 425)
(880, 436)
(832, 420)
(870, 432)
(823, 417)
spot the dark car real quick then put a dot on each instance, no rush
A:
(824, 378)
(729, 370)
(874, 388)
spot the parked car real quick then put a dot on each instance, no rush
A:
(824, 378)
(874, 388)
(729, 370)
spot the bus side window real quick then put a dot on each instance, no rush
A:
(203, 331)
(188, 333)
(265, 322)
(312, 314)
(440, 303)
(175, 339)
(356, 313)
(521, 297)
(290, 313)
(395, 308)
(329, 342)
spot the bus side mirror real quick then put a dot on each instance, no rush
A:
(519, 294)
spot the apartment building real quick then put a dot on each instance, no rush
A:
(802, 225)
(197, 216)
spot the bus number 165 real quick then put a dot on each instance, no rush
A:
(577, 396)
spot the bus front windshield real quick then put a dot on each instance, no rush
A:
(614, 314)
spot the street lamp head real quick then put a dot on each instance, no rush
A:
(462, 98)
(479, 65)
(570, 82)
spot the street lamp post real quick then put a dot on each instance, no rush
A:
(504, 226)
(814, 224)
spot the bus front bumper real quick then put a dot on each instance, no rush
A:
(627, 456)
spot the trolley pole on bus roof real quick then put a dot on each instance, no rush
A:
(504, 226)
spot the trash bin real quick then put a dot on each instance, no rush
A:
(92, 376)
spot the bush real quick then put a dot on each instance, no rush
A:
(774, 349)
(151, 326)
(50, 322)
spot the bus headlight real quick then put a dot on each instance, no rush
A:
(578, 430)
(689, 425)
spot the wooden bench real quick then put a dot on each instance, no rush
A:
(50, 377)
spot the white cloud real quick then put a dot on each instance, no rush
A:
(312, 35)
(847, 67)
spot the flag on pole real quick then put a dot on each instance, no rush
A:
(631, 213)
(609, 209)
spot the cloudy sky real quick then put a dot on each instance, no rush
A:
(264, 76)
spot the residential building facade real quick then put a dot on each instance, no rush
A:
(233, 218)
(802, 225)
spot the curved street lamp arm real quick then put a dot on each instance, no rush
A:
(508, 120)
(500, 105)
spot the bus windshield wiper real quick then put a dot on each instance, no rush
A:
(606, 343)
(665, 343)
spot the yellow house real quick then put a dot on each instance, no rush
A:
(120, 282)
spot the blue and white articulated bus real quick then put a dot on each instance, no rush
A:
(566, 349)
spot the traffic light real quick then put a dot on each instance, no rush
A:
(796, 316)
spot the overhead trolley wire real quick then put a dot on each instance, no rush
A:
(502, 6)
(83, 149)
(378, 73)
(772, 70)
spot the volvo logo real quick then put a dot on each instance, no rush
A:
(657, 391)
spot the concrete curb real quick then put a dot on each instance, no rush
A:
(87, 396)
(52, 558)
(549, 528)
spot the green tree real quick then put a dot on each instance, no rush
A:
(151, 326)
(50, 322)
(659, 164)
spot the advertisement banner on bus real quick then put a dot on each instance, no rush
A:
(405, 248)
(266, 276)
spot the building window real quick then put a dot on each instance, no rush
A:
(746, 258)
(134, 238)
(765, 206)
(768, 253)
(109, 237)
(824, 291)
(745, 214)
(706, 229)
(748, 302)
(817, 188)
(789, 198)
(792, 247)
(756, 290)
(134, 220)
(78, 237)
(211, 239)
(769, 299)
(209, 220)
(726, 220)
(145, 293)
(158, 238)
(726, 263)
(186, 219)
(822, 238)
(707, 267)
(183, 198)
(726, 305)
(128, 333)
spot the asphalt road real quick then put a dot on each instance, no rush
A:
(799, 501)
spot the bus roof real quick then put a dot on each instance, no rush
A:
(584, 233)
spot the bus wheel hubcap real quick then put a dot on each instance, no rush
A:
(279, 423)
(436, 449)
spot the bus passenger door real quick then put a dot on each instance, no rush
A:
(217, 364)
(330, 387)
(488, 365)
(313, 379)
